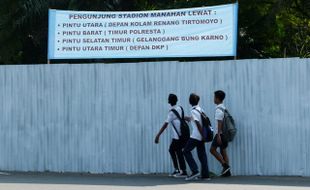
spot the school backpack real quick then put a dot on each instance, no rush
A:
(185, 133)
(206, 126)
(229, 127)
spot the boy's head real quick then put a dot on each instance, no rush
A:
(219, 96)
(194, 99)
(172, 99)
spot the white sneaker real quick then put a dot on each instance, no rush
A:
(204, 178)
(174, 173)
(180, 175)
(194, 176)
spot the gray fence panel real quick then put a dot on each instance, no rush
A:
(103, 118)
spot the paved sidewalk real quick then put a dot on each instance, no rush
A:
(52, 181)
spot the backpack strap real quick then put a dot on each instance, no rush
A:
(225, 112)
(176, 113)
(197, 110)
(222, 109)
(199, 113)
(203, 115)
(182, 112)
(176, 130)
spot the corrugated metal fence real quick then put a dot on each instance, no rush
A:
(103, 118)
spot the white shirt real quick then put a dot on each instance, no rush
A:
(195, 116)
(173, 119)
(219, 116)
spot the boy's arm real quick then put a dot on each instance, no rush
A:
(162, 129)
(219, 116)
(187, 118)
(171, 117)
(195, 115)
(219, 131)
(200, 130)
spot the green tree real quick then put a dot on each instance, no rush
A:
(274, 28)
(269, 28)
(23, 25)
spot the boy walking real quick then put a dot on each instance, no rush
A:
(219, 140)
(177, 144)
(196, 141)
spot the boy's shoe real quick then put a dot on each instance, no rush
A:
(180, 175)
(204, 178)
(226, 168)
(227, 174)
(193, 176)
(174, 173)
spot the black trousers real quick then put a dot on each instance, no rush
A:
(176, 153)
(202, 155)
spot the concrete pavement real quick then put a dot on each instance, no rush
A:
(54, 181)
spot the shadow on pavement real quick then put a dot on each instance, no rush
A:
(144, 180)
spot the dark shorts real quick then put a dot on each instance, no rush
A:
(224, 144)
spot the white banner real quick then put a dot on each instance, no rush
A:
(195, 32)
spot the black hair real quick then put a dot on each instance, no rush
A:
(220, 95)
(173, 99)
(194, 99)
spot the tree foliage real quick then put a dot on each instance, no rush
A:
(269, 28)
